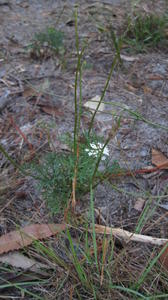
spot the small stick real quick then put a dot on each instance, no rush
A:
(21, 133)
(129, 236)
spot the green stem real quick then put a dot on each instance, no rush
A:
(80, 99)
(111, 136)
(78, 73)
(104, 91)
(136, 116)
(76, 84)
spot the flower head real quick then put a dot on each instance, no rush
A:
(96, 149)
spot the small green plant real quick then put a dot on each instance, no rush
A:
(146, 31)
(47, 43)
(68, 176)
(56, 171)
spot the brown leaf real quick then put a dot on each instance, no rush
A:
(18, 260)
(159, 160)
(147, 90)
(131, 88)
(164, 257)
(51, 110)
(29, 92)
(139, 204)
(25, 236)
(36, 90)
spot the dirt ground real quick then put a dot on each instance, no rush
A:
(39, 97)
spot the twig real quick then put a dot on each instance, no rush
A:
(129, 236)
(21, 133)
(7, 204)
(136, 172)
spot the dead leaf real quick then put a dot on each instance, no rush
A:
(92, 104)
(164, 257)
(18, 260)
(159, 160)
(164, 206)
(130, 88)
(139, 204)
(30, 92)
(23, 237)
(155, 77)
(147, 90)
(129, 58)
(51, 110)
(57, 145)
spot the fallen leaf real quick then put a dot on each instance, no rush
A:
(159, 160)
(139, 204)
(51, 110)
(30, 92)
(129, 58)
(155, 77)
(56, 144)
(92, 104)
(130, 88)
(147, 90)
(18, 260)
(164, 206)
(23, 237)
(164, 257)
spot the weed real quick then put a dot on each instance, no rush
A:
(56, 170)
(148, 31)
(64, 176)
(139, 33)
(47, 43)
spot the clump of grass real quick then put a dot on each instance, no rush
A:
(97, 267)
(146, 31)
(47, 43)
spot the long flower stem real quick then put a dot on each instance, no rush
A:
(104, 91)
(111, 136)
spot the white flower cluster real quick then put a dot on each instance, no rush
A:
(95, 150)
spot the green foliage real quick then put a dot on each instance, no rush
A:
(48, 42)
(146, 32)
(52, 37)
(56, 172)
